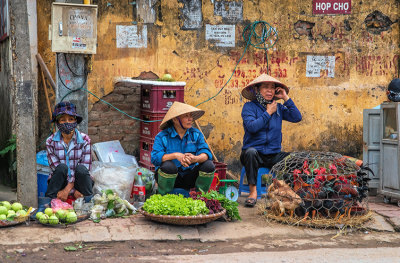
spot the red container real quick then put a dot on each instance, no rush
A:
(146, 146)
(150, 129)
(160, 98)
(220, 169)
(147, 166)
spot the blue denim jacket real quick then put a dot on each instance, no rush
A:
(168, 141)
(263, 131)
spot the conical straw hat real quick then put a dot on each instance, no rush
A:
(177, 109)
(249, 93)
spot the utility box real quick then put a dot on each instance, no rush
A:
(372, 145)
(73, 28)
(390, 150)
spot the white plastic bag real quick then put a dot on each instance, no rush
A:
(115, 176)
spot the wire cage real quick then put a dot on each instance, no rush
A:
(321, 189)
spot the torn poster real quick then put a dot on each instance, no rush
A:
(319, 66)
(131, 36)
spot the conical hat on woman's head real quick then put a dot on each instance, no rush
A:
(178, 109)
(249, 92)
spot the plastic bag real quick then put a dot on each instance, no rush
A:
(115, 176)
(57, 204)
(148, 180)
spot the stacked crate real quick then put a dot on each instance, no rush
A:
(156, 99)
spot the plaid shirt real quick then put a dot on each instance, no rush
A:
(78, 152)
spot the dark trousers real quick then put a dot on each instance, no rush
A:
(186, 179)
(251, 159)
(59, 180)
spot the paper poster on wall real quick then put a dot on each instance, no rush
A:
(231, 11)
(221, 35)
(131, 36)
(190, 14)
(318, 66)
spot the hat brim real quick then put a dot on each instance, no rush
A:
(249, 91)
(78, 117)
(178, 109)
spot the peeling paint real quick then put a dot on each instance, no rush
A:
(377, 22)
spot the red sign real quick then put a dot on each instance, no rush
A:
(331, 7)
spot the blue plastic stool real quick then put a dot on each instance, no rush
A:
(261, 188)
(177, 191)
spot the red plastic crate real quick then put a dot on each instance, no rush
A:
(160, 98)
(150, 129)
(147, 166)
(146, 146)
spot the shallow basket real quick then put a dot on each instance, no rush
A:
(183, 220)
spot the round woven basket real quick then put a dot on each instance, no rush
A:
(183, 220)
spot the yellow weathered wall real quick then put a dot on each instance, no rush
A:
(331, 107)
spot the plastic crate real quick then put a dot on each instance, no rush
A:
(220, 169)
(160, 98)
(147, 166)
(150, 129)
(146, 146)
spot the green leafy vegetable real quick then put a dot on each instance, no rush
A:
(232, 210)
(176, 205)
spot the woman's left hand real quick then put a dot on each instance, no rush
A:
(280, 93)
(190, 158)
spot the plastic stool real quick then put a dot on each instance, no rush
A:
(177, 191)
(261, 188)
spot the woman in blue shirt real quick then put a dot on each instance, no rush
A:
(262, 122)
(180, 154)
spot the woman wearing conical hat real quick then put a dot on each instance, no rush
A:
(262, 122)
(180, 154)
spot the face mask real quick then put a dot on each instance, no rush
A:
(66, 127)
(262, 100)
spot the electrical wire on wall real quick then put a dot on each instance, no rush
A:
(259, 34)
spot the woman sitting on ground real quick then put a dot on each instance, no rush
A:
(69, 155)
(180, 154)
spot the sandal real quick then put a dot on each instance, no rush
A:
(250, 202)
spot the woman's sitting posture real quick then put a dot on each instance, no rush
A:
(69, 155)
(180, 154)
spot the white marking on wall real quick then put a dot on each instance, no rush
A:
(221, 35)
(131, 36)
(317, 64)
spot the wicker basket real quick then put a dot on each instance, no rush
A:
(183, 220)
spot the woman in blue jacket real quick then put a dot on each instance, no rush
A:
(180, 153)
(262, 122)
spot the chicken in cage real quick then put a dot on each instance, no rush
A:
(318, 185)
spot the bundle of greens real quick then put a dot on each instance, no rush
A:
(109, 204)
(175, 205)
(231, 207)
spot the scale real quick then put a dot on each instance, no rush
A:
(229, 190)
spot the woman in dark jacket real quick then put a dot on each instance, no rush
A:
(262, 122)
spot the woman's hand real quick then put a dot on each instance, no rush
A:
(190, 158)
(182, 159)
(77, 194)
(63, 195)
(280, 93)
(271, 108)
